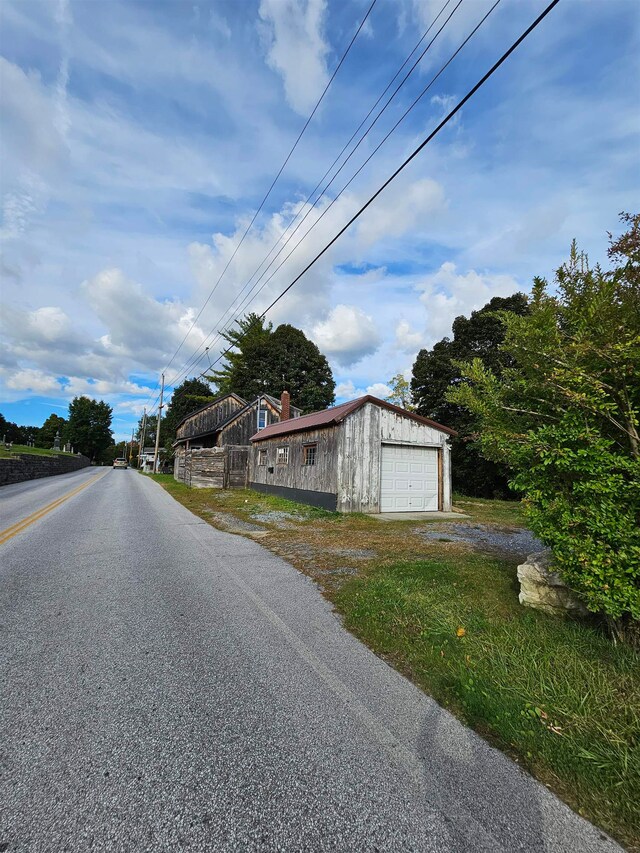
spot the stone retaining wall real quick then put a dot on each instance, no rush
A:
(29, 466)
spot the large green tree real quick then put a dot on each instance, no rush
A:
(436, 371)
(46, 434)
(565, 416)
(185, 399)
(262, 360)
(89, 427)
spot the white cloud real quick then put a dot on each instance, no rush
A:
(347, 334)
(406, 339)
(446, 294)
(379, 389)
(139, 327)
(346, 390)
(296, 48)
(34, 381)
(406, 206)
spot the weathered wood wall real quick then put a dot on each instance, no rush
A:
(236, 465)
(212, 467)
(360, 455)
(207, 468)
(178, 464)
(241, 429)
(320, 477)
(208, 418)
(358, 461)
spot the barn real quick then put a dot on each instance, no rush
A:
(363, 456)
(212, 442)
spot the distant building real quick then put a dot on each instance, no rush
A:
(145, 462)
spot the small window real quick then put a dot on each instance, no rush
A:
(282, 457)
(262, 457)
(262, 418)
(309, 454)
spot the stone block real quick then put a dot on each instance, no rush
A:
(543, 589)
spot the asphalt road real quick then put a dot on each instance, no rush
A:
(166, 686)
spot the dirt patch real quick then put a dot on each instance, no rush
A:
(231, 522)
(515, 543)
(354, 553)
(276, 517)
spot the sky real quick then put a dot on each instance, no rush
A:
(139, 139)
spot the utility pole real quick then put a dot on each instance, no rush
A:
(142, 435)
(155, 455)
(131, 448)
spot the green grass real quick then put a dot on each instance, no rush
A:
(17, 449)
(554, 694)
(484, 510)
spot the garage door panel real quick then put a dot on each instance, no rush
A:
(410, 479)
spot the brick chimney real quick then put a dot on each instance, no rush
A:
(285, 406)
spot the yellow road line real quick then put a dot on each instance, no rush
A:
(21, 525)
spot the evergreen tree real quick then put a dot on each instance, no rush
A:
(436, 371)
(267, 361)
(237, 372)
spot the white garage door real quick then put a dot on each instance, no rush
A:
(409, 479)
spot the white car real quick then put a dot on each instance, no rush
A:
(120, 463)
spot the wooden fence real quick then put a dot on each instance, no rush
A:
(212, 467)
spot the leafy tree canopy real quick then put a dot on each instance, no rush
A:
(436, 371)
(47, 432)
(89, 427)
(564, 416)
(13, 433)
(400, 392)
(266, 361)
(186, 398)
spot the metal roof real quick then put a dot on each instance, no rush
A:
(335, 415)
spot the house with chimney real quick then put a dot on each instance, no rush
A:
(212, 443)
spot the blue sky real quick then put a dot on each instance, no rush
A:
(140, 137)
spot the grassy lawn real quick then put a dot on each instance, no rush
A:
(555, 695)
(5, 453)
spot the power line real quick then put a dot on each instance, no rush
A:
(194, 360)
(412, 156)
(248, 299)
(273, 183)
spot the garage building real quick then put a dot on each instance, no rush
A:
(363, 456)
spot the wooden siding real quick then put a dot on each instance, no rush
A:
(240, 430)
(320, 477)
(349, 458)
(212, 467)
(359, 460)
(206, 420)
(360, 455)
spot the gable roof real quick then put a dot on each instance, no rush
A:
(208, 405)
(335, 415)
